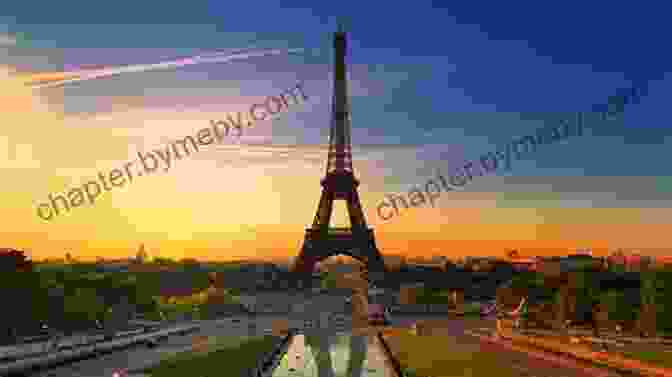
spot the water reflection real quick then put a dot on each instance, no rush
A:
(322, 354)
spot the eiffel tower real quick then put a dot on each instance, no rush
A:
(358, 240)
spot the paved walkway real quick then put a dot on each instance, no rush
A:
(451, 342)
(587, 349)
(300, 361)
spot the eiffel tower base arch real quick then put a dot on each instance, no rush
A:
(320, 245)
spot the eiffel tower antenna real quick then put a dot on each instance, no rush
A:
(339, 183)
(340, 154)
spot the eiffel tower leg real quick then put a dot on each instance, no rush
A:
(308, 258)
(323, 215)
(355, 211)
(376, 263)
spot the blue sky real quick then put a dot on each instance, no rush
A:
(432, 84)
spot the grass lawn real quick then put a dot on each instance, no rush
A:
(657, 358)
(472, 309)
(441, 356)
(224, 356)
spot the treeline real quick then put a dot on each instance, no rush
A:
(634, 301)
(76, 297)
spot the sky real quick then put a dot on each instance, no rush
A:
(431, 86)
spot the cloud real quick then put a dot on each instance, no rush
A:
(43, 80)
(37, 136)
(7, 40)
(266, 154)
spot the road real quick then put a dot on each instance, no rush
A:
(141, 356)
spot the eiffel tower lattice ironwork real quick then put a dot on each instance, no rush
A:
(358, 241)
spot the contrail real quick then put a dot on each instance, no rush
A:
(217, 57)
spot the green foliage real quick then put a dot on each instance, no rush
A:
(617, 268)
(534, 285)
(84, 305)
(527, 279)
(587, 292)
(28, 303)
(85, 295)
(659, 358)
(233, 291)
(585, 281)
(68, 296)
(617, 306)
(329, 280)
(235, 361)
(431, 296)
(164, 261)
(649, 287)
(656, 289)
(199, 280)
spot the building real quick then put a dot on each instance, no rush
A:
(141, 257)
(585, 251)
(525, 264)
(634, 262)
(663, 261)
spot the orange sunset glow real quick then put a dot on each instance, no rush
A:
(251, 198)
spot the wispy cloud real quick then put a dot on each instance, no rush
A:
(58, 79)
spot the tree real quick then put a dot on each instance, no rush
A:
(19, 284)
(585, 290)
(21, 291)
(330, 280)
(650, 298)
(656, 296)
(164, 261)
(618, 306)
(83, 308)
(14, 260)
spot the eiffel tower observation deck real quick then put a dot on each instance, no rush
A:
(357, 241)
